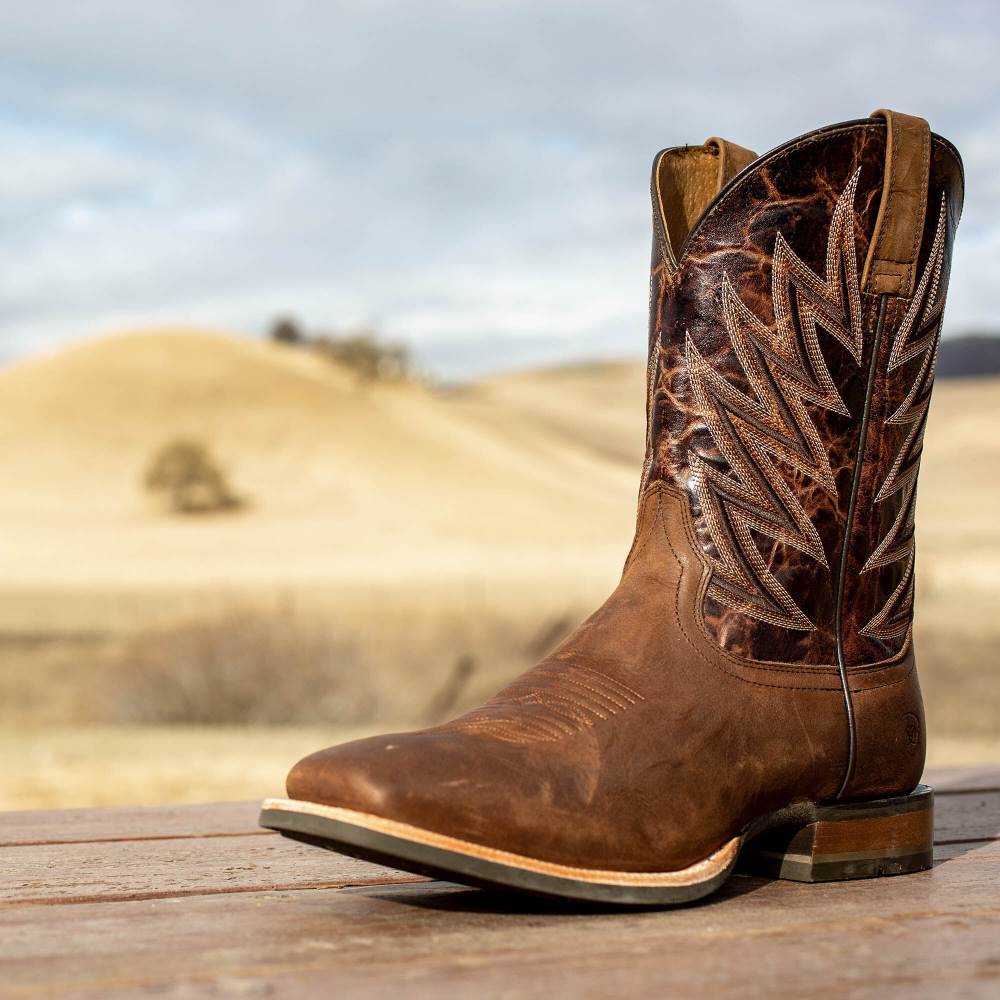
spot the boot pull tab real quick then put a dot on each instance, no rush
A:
(732, 159)
(892, 255)
(685, 180)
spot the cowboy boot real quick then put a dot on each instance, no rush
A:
(748, 692)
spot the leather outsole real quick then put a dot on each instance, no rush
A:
(805, 842)
(425, 852)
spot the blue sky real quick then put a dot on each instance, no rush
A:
(471, 177)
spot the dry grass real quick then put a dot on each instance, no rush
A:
(405, 554)
(243, 668)
(67, 766)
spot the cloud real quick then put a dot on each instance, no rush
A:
(464, 173)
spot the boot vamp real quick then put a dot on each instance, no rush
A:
(537, 772)
(635, 746)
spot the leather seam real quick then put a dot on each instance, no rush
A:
(683, 631)
(885, 211)
(888, 684)
(767, 160)
(911, 262)
(762, 666)
(660, 217)
(848, 533)
(925, 166)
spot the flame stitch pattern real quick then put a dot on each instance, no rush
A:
(918, 336)
(785, 369)
(548, 705)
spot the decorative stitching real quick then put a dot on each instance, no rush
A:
(785, 369)
(740, 664)
(687, 638)
(544, 711)
(922, 318)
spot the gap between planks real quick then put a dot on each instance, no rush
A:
(964, 817)
(135, 839)
(138, 897)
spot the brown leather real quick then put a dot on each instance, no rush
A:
(785, 608)
(899, 228)
(637, 745)
(783, 398)
(687, 178)
(732, 159)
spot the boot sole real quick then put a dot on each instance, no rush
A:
(807, 843)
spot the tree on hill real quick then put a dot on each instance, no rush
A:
(360, 350)
(185, 475)
(285, 330)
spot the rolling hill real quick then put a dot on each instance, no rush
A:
(421, 531)
(348, 479)
(342, 476)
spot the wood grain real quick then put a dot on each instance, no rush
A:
(922, 932)
(117, 868)
(61, 826)
(212, 909)
(958, 780)
(151, 869)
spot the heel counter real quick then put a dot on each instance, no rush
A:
(891, 732)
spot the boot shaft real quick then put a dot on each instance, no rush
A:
(793, 338)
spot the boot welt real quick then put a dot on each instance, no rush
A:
(806, 842)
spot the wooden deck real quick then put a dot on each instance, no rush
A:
(195, 901)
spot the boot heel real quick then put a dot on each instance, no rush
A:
(827, 843)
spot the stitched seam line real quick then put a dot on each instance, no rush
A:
(768, 160)
(859, 462)
(683, 631)
(889, 188)
(925, 154)
(661, 488)
(761, 666)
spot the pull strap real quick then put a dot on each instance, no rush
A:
(686, 179)
(892, 256)
(732, 159)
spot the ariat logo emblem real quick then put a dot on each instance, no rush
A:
(755, 432)
(918, 336)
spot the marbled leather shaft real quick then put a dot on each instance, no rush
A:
(761, 353)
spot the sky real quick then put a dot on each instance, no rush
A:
(469, 177)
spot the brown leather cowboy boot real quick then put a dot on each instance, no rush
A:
(748, 692)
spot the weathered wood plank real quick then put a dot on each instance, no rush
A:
(237, 818)
(61, 826)
(962, 779)
(112, 869)
(934, 934)
(152, 869)
(969, 816)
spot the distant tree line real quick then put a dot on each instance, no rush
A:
(360, 350)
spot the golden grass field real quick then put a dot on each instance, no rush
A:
(402, 552)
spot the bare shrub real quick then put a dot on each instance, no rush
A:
(189, 479)
(245, 667)
(361, 350)
(365, 354)
(450, 693)
(286, 331)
